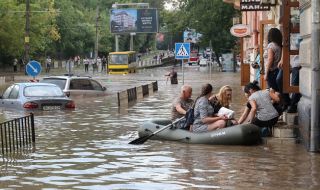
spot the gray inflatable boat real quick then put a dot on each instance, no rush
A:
(244, 134)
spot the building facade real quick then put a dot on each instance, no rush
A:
(295, 19)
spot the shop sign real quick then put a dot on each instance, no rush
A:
(240, 30)
(253, 5)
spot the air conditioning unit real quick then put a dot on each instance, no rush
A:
(271, 2)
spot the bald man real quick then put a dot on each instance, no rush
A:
(182, 103)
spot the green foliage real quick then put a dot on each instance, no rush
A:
(211, 18)
(64, 28)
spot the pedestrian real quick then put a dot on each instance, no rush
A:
(104, 63)
(15, 65)
(256, 63)
(86, 64)
(272, 57)
(173, 76)
(48, 64)
(69, 65)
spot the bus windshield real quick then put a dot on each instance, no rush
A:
(118, 59)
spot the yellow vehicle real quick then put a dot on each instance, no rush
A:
(122, 62)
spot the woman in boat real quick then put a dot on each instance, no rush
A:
(204, 118)
(223, 99)
(261, 109)
(224, 96)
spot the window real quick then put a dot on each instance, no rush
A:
(80, 84)
(43, 91)
(7, 92)
(59, 82)
(96, 85)
(14, 92)
(119, 59)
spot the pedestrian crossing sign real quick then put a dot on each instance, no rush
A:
(182, 50)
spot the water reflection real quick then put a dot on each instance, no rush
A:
(88, 148)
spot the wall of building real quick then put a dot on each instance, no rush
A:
(304, 106)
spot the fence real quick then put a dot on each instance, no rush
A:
(130, 95)
(17, 133)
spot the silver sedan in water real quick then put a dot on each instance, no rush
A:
(35, 96)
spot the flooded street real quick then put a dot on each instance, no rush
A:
(88, 148)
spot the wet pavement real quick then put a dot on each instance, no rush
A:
(88, 148)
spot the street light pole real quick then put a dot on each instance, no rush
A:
(97, 36)
(27, 33)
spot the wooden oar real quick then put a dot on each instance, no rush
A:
(143, 139)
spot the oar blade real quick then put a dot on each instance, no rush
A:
(141, 140)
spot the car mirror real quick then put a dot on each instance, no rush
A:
(67, 94)
(0, 96)
(104, 88)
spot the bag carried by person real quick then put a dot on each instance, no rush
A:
(226, 112)
(189, 117)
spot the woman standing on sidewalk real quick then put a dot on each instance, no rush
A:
(272, 57)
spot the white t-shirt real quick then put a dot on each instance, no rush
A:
(265, 109)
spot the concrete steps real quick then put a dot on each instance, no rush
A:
(285, 131)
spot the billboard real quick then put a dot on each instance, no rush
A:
(134, 21)
(191, 36)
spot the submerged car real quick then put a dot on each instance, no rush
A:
(35, 96)
(74, 86)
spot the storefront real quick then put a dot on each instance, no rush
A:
(286, 15)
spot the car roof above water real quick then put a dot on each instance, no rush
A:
(34, 84)
(67, 77)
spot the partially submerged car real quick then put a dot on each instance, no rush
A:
(35, 96)
(75, 86)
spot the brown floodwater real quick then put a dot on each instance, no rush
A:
(88, 148)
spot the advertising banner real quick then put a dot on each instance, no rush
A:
(191, 36)
(134, 21)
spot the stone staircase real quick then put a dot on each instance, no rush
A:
(285, 131)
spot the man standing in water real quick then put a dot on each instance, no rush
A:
(173, 76)
(181, 105)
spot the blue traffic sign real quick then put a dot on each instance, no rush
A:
(182, 50)
(33, 68)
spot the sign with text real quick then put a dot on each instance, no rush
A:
(240, 30)
(134, 20)
(253, 5)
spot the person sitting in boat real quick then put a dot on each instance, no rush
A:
(224, 96)
(262, 111)
(204, 115)
(223, 99)
(181, 105)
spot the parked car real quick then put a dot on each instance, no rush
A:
(35, 96)
(74, 86)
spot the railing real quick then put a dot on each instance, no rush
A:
(17, 133)
(132, 94)
(145, 90)
(155, 86)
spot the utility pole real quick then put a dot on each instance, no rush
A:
(97, 36)
(27, 33)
